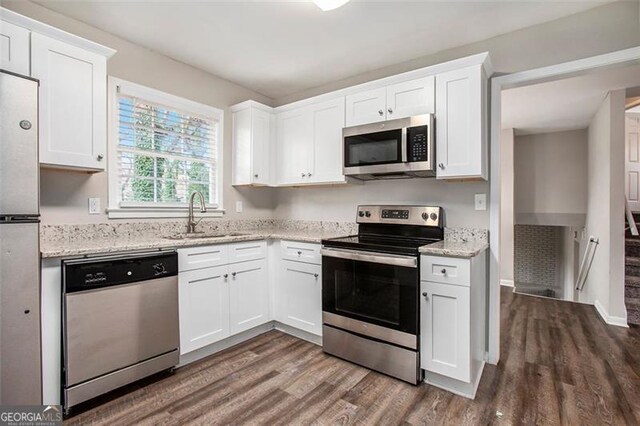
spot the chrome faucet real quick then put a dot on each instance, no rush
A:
(191, 225)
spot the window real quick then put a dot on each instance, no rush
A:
(162, 148)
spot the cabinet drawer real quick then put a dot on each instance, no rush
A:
(249, 250)
(202, 257)
(447, 270)
(301, 252)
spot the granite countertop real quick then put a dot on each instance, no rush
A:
(103, 245)
(455, 248)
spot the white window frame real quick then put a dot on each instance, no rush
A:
(118, 211)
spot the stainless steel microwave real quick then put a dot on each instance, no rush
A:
(391, 149)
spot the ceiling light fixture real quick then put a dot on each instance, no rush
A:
(327, 5)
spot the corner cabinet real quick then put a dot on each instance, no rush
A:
(453, 317)
(309, 144)
(252, 128)
(461, 124)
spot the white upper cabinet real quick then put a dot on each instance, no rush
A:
(461, 124)
(252, 127)
(73, 104)
(366, 107)
(400, 100)
(410, 98)
(328, 121)
(295, 145)
(310, 144)
(14, 48)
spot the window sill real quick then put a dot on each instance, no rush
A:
(159, 212)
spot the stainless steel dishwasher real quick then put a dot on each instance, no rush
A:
(120, 321)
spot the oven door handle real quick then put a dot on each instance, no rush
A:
(367, 256)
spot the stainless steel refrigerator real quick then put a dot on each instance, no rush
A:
(20, 343)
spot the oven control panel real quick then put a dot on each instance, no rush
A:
(406, 215)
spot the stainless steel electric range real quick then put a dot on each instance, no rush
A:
(370, 288)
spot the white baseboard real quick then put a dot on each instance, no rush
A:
(507, 283)
(609, 319)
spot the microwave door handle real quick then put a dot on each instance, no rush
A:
(367, 256)
(403, 143)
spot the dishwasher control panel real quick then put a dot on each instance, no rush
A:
(89, 274)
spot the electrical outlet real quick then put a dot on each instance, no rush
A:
(94, 205)
(238, 206)
(481, 201)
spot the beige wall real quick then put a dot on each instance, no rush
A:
(64, 195)
(506, 207)
(607, 28)
(551, 173)
(605, 206)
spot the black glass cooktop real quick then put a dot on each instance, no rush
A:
(382, 244)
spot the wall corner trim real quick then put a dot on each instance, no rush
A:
(507, 283)
(611, 320)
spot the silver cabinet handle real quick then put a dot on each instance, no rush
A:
(233, 274)
(100, 157)
(303, 175)
(381, 112)
(426, 295)
(299, 253)
(390, 111)
(226, 276)
(316, 275)
(255, 176)
(443, 271)
(309, 174)
(441, 165)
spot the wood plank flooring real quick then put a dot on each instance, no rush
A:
(560, 364)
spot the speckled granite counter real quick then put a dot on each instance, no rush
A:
(79, 240)
(459, 242)
(455, 248)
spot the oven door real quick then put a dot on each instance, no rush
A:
(370, 293)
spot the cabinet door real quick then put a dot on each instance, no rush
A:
(295, 142)
(14, 48)
(411, 98)
(460, 124)
(73, 104)
(366, 107)
(242, 155)
(248, 295)
(444, 328)
(300, 296)
(204, 307)
(260, 158)
(328, 121)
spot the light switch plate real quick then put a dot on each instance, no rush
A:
(481, 201)
(238, 206)
(94, 205)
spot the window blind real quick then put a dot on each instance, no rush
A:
(164, 154)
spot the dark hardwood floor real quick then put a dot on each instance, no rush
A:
(561, 364)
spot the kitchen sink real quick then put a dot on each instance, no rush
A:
(199, 235)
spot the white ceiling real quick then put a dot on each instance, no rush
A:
(567, 104)
(279, 48)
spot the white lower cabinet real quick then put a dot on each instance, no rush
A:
(248, 295)
(204, 307)
(453, 297)
(445, 323)
(299, 296)
(219, 301)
